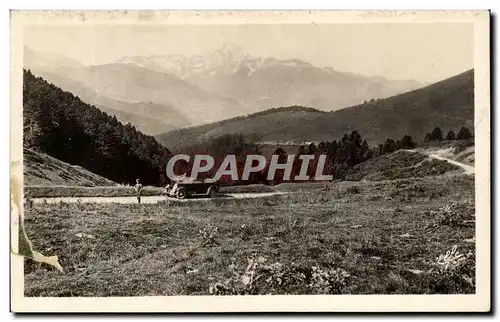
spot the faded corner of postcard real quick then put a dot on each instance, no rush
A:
(250, 161)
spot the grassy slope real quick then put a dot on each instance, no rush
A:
(43, 170)
(362, 231)
(448, 104)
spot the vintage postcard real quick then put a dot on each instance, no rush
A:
(250, 161)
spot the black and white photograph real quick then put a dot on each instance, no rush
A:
(244, 155)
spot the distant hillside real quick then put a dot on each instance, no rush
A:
(448, 104)
(255, 127)
(41, 169)
(61, 125)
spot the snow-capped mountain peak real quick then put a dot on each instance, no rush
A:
(223, 60)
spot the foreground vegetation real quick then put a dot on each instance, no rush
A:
(383, 237)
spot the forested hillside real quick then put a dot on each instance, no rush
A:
(61, 125)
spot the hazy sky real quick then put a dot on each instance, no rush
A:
(424, 52)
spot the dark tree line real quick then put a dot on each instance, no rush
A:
(345, 153)
(437, 135)
(61, 125)
(341, 155)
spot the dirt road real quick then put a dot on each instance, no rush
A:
(148, 199)
(468, 169)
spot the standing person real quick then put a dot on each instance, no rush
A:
(138, 189)
(326, 186)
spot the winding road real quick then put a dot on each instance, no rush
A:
(468, 169)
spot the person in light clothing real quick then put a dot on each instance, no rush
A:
(138, 190)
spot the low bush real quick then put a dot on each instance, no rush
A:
(258, 277)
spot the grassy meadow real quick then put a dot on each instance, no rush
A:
(379, 237)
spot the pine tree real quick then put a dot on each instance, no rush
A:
(437, 134)
(389, 146)
(311, 149)
(406, 142)
(450, 136)
(464, 134)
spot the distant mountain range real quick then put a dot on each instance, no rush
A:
(161, 93)
(259, 83)
(448, 104)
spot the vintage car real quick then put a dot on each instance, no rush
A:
(191, 188)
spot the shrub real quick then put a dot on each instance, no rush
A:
(208, 235)
(329, 281)
(278, 278)
(453, 215)
(353, 190)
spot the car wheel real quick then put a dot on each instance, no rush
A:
(181, 193)
(212, 191)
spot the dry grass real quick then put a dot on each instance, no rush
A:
(377, 238)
